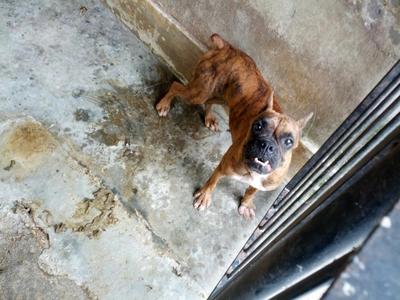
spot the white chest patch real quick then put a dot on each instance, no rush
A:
(253, 179)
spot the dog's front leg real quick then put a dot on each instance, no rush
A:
(247, 206)
(203, 195)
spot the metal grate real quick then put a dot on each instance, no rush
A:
(350, 147)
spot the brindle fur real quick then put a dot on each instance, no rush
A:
(226, 75)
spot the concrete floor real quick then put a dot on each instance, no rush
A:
(95, 189)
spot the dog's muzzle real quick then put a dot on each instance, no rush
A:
(262, 155)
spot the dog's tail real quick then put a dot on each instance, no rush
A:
(218, 41)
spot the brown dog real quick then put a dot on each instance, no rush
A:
(262, 136)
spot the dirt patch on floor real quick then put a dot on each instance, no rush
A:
(27, 144)
(29, 139)
(131, 119)
(92, 216)
(81, 115)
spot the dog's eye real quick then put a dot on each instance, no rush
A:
(288, 142)
(257, 126)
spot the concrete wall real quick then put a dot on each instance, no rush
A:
(321, 56)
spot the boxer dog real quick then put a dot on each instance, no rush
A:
(263, 137)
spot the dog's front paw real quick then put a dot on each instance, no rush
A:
(211, 122)
(163, 108)
(202, 199)
(247, 212)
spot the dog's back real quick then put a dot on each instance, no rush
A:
(230, 74)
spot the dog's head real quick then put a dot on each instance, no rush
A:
(271, 140)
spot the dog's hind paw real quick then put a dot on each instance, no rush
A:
(163, 108)
(211, 123)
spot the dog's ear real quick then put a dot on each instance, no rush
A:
(270, 103)
(217, 41)
(303, 122)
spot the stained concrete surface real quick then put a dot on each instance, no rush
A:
(95, 189)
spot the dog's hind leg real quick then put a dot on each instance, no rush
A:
(189, 94)
(164, 105)
(210, 119)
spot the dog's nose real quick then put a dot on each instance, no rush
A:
(270, 149)
(268, 146)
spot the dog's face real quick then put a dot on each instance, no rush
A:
(271, 140)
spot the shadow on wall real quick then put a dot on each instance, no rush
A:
(319, 56)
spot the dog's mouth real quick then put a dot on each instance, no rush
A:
(262, 162)
(259, 165)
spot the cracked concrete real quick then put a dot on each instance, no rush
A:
(20, 274)
(95, 189)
